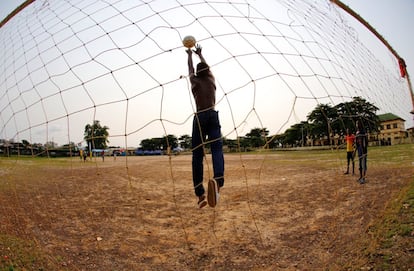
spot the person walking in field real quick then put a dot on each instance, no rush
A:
(350, 151)
(206, 124)
(362, 149)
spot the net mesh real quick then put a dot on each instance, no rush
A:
(70, 63)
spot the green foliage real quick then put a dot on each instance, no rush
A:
(358, 109)
(297, 132)
(395, 233)
(256, 137)
(324, 120)
(18, 254)
(96, 135)
(185, 141)
(161, 143)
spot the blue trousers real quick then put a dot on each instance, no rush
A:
(206, 125)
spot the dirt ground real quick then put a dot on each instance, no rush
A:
(276, 212)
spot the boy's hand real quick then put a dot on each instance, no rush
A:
(198, 49)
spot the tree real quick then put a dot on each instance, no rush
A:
(322, 118)
(26, 143)
(296, 134)
(185, 141)
(275, 141)
(257, 137)
(231, 144)
(244, 143)
(159, 143)
(51, 145)
(96, 135)
(358, 109)
(149, 144)
(169, 141)
(27, 147)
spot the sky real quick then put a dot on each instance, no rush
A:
(391, 19)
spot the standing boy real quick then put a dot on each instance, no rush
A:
(362, 149)
(350, 150)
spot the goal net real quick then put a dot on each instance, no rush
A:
(69, 63)
(66, 64)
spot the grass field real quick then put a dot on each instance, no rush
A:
(285, 210)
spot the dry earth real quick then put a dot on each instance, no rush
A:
(276, 212)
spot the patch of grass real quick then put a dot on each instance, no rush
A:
(392, 155)
(19, 254)
(394, 235)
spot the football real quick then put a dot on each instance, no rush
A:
(189, 41)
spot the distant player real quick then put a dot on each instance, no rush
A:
(205, 124)
(350, 151)
(362, 149)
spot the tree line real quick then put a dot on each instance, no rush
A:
(326, 121)
(323, 122)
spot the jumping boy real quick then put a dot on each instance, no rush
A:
(205, 124)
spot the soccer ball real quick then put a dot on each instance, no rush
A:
(189, 41)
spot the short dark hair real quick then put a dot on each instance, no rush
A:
(202, 69)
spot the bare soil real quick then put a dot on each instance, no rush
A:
(276, 212)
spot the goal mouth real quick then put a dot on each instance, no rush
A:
(113, 63)
(104, 89)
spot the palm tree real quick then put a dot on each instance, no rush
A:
(96, 136)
